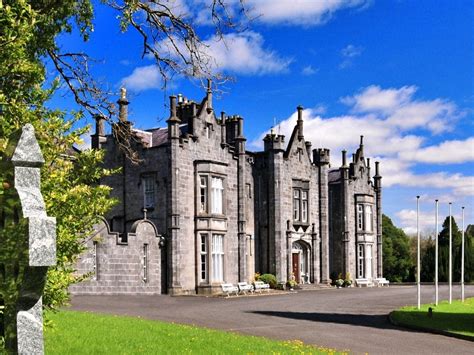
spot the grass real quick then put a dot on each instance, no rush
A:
(456, 318)
(89, 333)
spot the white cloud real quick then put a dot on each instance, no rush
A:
(398, 108)
(309, 70)
(373, 98)
(143, 78)
(300, 12)
(395, 146)
(241, 53)
(244, 53)
(447, 152)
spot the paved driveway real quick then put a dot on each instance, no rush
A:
(354, 318)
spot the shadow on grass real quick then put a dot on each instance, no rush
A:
(451, 322)
(364, 320)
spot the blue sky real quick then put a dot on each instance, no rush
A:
(398, 72)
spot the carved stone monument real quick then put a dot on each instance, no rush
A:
(27, 244)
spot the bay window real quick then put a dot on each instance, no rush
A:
(217, 257)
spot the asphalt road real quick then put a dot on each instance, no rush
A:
(354, 318)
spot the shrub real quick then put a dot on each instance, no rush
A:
(269, 279)
(348, 280)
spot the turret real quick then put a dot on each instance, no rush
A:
(274, 142)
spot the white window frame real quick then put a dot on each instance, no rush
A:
(217, 195)
(360, 217)
(203, 193)
(360, 261)
(217, 256)
(368, 218)
(304, 206)
(296, 204)
(300, 205)
(149, 191)
(203, 257)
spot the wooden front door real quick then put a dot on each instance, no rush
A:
(296, 266)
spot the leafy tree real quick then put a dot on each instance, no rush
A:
(28, 34)
(397, 263)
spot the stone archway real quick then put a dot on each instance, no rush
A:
(301, 261)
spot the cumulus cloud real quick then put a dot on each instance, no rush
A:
(398, 108)
(244, 53)
(300, 12)
(371, 114)
(447, 152)
(143, 78)
(241, 53)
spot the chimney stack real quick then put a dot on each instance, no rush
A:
(300, 122)
(123, 105)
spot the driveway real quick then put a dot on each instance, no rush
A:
(354, 318)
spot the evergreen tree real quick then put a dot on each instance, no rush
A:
(397, 263)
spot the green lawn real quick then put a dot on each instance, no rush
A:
(89, 333)
(456, 318)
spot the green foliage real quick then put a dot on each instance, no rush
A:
(428, 259)
(269, 279)
(105, 335)
(397, 262)
(69, 178)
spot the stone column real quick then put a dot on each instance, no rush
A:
(315, 256)
(289, 254)
(346, 210)
(378, 191)
(240, 148)
(174, 280)
(28, 243)
(321, 158)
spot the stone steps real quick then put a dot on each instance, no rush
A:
(309, 287)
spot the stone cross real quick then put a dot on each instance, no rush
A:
(27, 244)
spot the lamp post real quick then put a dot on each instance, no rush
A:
(462, 258)
(450, 255)
(436, 255)
(418, 285)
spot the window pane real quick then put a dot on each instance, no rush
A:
(217, 195)
(149, 191)
(203, 257)
(218, 257)
(296, 205)
(360, 217)
(368, 218)
(203, 193)
(304, 206)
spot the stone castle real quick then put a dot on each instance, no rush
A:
(201, 210)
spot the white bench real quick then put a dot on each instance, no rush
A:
(244, 287)
(260, 285)
(228, 289)
(364, 282)
(382, 281)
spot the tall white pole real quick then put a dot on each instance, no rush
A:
(450, 255)
(462, 258)
(418, 285)
(436, 254)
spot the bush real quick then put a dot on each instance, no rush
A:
(269, 279)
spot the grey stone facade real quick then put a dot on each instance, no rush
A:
(223, 212)
(355, 215)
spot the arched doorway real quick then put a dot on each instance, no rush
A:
(300, 261)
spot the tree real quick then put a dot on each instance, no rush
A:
(397, 263)
(28, 33)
